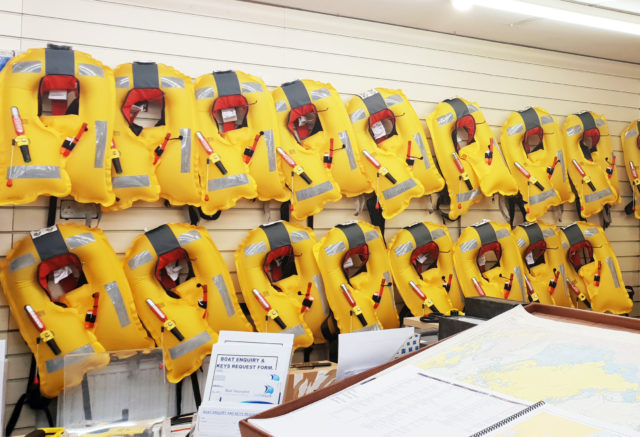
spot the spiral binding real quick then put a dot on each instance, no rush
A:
(508, 420)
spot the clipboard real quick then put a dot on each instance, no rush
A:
(546, 311)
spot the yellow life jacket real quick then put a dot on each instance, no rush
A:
(468, 155)
(488, 263)
(353, 262)
(591, 162)
(280, 281)
(545, 262)
(183, 294)
(301, 132)
(253, 133)
(599, 283)
(385, 147)
(66, 101)
(160, 160)
(534, 148)
(630, 139)
(316, 118)
(422, 265)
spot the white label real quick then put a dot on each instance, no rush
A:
(529, 259)
(58, 95)
(173, 270)
(348, 263)
(422, 258)
(378, 130)
(229, 114)
(141, 107)
(61, 273)
(303, 120)
(482, 260)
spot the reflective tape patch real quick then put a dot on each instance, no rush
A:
(281, 106)
(318, 94)
(564, 279)
(560, 156)
(565, 245)
(468, 245)
(537, 198)
(223, 290)
(357, 116)
(344, 137)
(574, 130)
(205, 93)
(446, 119)
(122, 82)
(185, 150)
(189, 237)
(371, 235)
(387, 277)
(297, 331)
(515, 129)
(468, 195)
(335, 248)
(600, 122)
(298, 236)
(79, 240)
(375, 327)
(171, 82)
(33, 172)
(501, 233)
(632, 133)
(317, 280)
(546, 119)
(472, 108)
(398, 189)
(438, 233)
(393, 99)
(518, 273)
(101, 127)
(590, 232)
(311, 192)
(593, 197)
(251, 87)
(133, 181)
(404, 248)
(522, 242)
(614, 273)
(21, 262)
(140, 259)
(271, 149)
(90, 70)
(27, 67)
(190, 345)
(255, 249)
(423, 149)
(227, 182)
(546, 233)
(118, 303)
(69, 359)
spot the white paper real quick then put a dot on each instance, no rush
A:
(360, 351)
(378, 130)
(58, 95)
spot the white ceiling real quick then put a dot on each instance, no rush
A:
(490, 24)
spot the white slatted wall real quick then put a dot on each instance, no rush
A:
(198, 36)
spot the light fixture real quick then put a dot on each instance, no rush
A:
(462, 5)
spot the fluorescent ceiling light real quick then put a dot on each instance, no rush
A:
(562, 15)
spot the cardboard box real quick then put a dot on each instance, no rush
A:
(301, 382)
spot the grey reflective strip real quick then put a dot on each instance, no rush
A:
(398, 189)
(118, 303)
(101, 143)
(205, 93)
(545, 195)
(597, 195)
(335, 248)
(371, 235)
(564, 279)
(223, 290)
(472, 108)
(387, 277)
(189, 237)
(185, 150)
(227, 182)
(515, 129)
(438, 233)
(631, 133)
(311, 192)
(171, 82)
(357, 116)
(34, 172)
(190, 345)
(522, 242)
(468, 245)
(565, 245)
(319, 94)
(560, 156)
(140, 259)
(27, 67)
(501, 233)
(574, 130)
(281, 106)
(317, 280)
(404, 248)
(297, 331)
(468, 195)
(271, 149)
(614, 273)
(133, 181)
(590, 232)
(70, 358)
(256, 248)
(298, 236)
(90, 70)
(599, 122)
(79, 240)
(375, 327)
(344, 137)
(393, 100)
(546, 233)
(445, 119)
(251, 87)
(423, 150)
(546, 119)
(122, 82)
(21, 262)
(518, 273)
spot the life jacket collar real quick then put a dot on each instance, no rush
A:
(580, 250)
(591, 133)
(533, 130)
(146, 90)
(464, 121)
(279, 262)
(173, 266)
(356, 257)
(425, 256)
(488, 244)
(382, 120)
(230, 109)
(303, 120)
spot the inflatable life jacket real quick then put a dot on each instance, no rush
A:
(599, 283)
(302, 133)
(389, 163)
(630, 139)
(280, 281)
(488, 263)
(353, 261)
(544, 261)
(245, 118)
(422, 265)
(161, 158)
(591, 165)
(468, 155)
(534, 148)
(183, 293)
(58, 111)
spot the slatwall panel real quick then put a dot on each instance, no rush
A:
(197, 36)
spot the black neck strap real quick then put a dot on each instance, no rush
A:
(50, 245)
(573, 234)
(354, 234)
(277, 235)
(486, 233)
(420, 234)
(59, 60)
(145, 75)
(296, 93)
(162, 239)
(534, 233)
(374, 103)
(227, 83)
(459, 107)
(587, 120)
